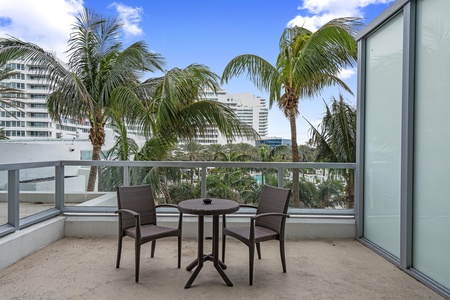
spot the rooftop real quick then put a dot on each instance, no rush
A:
(84, 268)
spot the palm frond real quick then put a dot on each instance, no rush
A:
(264, 75)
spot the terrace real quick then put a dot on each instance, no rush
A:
(400, 220)
(52, 240)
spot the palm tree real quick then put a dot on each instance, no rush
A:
(335, 140)
(307, 62)
(268, 154)
(215, 152)
(191, 151)
(173, 106)
(247, 150)
(98, 71)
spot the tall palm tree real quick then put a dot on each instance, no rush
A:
(97, 70)
(173, 106)
(307, 62)
(335, 141)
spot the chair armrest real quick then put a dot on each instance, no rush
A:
(134, 214)
(248, 205)
(180, 221)
(166, 205)
(270, 215)
(224, 222)
(131, 212)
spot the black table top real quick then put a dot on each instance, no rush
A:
(217, 207)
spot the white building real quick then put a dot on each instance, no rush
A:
(29, 118)
(250, 109)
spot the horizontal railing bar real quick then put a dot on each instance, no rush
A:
(200, 164)
(28, 165)
(38, 217)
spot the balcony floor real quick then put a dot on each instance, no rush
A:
(84, 268)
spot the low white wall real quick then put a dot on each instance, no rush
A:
(22, 243)
(296, 228)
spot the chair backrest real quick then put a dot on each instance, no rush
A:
(273, 200)
(139, 199)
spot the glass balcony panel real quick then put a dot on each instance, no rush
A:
(104, 194)
(36, 190)
(322, 188)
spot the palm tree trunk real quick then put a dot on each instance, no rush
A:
(295, 158)
(165, 191)
(97, 137)
(350, 189)
(96, 149)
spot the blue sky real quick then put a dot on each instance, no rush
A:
(207, 32)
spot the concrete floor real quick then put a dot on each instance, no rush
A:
(84, 268)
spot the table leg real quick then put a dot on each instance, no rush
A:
(217, 263)
(200, 253)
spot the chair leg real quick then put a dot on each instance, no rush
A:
(251, 250)
(179, 251)
(283, 257)
(119, 251)
(223, 247)
(258, 250)
(153, 248)
(137, 259)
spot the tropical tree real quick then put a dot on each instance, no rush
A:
(307, 62)
(335, 141)
(173, 107)
(191, 151)
(215, 152)
(98, 70)
(156, 149)
(268, 154)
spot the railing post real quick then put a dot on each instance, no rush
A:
(13, 198)
(126, 176)
(59, 187)
(280, 177)
(203, 173)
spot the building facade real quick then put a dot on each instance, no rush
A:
(250, 110)
(274, 141)
(27, 117)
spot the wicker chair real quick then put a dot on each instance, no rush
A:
(267, 224)
(137, 219)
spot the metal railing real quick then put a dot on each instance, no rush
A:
(60, 194)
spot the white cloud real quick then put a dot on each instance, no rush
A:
(346, 73)
(320, 12)
(45, 23)
(131, 16)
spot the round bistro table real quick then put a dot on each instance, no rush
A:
(216, 208)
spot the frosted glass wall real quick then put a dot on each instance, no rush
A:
(383, 101)
(431, 217)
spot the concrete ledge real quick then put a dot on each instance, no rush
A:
(22, 243)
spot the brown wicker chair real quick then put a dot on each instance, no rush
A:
(267, 224)
(137, 219)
